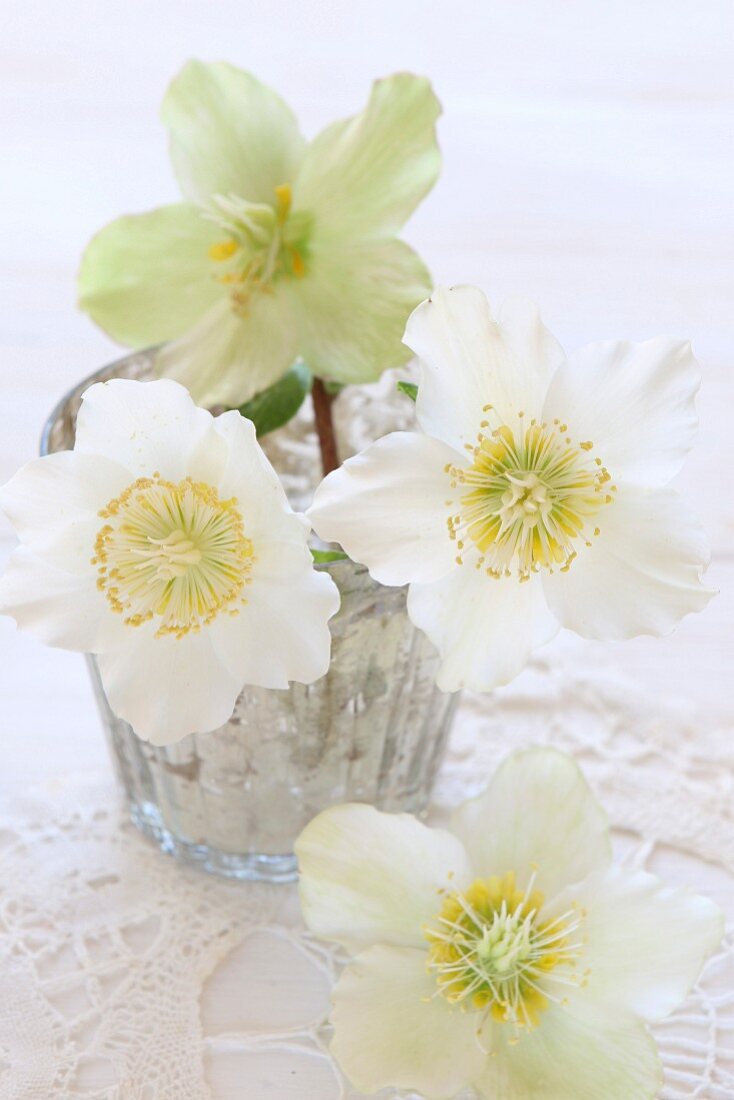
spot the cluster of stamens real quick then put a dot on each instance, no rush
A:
(526, 499)
(492, 951)
(174, 553)
(263, 243)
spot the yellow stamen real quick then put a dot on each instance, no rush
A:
(491, 950)
(223, 251)
(173, 554)
(266, 242)
(299, 266)
(526, 498)
(283, 201)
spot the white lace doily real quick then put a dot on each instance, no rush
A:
(127, 977)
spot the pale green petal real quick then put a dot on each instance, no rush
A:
(146, 278)
(645, 943)
(369, 877)
(354, 302)
(227, 358)
(229, 134)
(364, 176)
(566, 1058)
(390, 1028)
(538, 814)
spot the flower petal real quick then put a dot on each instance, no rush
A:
(53, 503)
(470, 360)
(145, 426)
(645, 942)
(635, 402)
(229, 134)
(354, 301)
(370, 877)
(281, 633)
(55, 607)
(640, 576)
(565, 1058)
(391, 1030)
(230, 457)
(364, 176)
(168, 687)
(536, 814)
(147, 278)
(484, 629)
(228, 357)
(387, 508)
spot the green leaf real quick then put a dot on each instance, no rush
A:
(409, 389)
(328, 555)
(275, 406)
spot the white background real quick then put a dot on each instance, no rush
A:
(588, 163)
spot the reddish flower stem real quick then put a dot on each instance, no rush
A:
(322, 403)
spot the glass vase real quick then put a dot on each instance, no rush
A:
(372, 730)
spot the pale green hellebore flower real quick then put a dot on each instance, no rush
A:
(281, 248)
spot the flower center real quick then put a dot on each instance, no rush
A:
(491, 950)
(264, 243)
(528, 497)
(174, 553)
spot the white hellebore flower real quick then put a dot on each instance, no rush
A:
(509, 953)
(536, 498)
(164, 543)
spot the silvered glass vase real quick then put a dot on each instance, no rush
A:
(372, 730)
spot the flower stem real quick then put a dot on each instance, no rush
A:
(322, 402)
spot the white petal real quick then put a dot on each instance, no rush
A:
(640, 576)
(53, 502)
(645, 942)
(370, 877)
(226, 358)
(145, 426)
(230, 458)
(536, 814)
(281, 632)
(565, 1058)
(390, 1029)
(635, 402)
(168, 687)
(484, 629)
(56, 607)
(229, 133)
(470, 360)
(388, 508)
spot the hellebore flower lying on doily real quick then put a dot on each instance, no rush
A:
(509, 953)
(537, 496)
(281, 248)
(164, 544)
